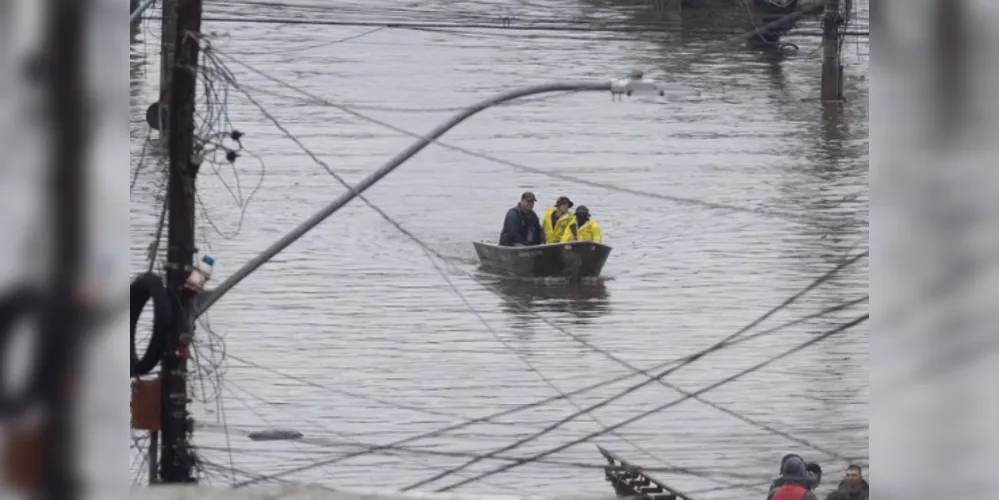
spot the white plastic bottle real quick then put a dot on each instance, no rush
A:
(201, 273)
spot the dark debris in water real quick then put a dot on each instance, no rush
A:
(275, 435)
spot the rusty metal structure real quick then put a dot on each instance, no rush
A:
(630, 481)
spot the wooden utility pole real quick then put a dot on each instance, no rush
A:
(167, 49)
(832, 68)
(168, 33)
(176, 460)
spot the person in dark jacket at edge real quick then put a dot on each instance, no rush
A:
(521, 226)
(793, 483)
(814, 473)
(853, 486)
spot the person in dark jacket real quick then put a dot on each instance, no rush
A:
(793, 483)
(521, 227)
(853, 486)
(814, 471)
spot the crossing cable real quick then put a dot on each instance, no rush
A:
(577, 338)
(469, 25)
(542, 402)
(611, 356)
(321, 427)
(687, 395)
(427, 252)
(811, 219)
(392, 221)
(410, 450)
(640, 416)
(534, 369)
(356, 395)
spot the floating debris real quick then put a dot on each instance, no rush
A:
(275, 435)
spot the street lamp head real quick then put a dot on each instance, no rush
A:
(636, 84)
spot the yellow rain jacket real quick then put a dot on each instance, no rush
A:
(554, 232)
(590, 231)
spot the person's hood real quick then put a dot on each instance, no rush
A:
(792, 466)
(787, 457)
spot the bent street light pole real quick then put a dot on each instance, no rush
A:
(625, 86)
(138, 11)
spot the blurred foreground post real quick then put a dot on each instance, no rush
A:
(62, 326)
(832, 70)
(176, 460)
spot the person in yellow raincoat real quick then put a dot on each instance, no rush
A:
(557, 219)
(583, 228)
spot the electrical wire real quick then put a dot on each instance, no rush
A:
(411, 16)
(530, 367)
(409, 450)
(141, 162)
(527, 363)
(731, 31)
(542, 402)
(690, 359)
(517, 166)
(589, 345)
(320, 45)
(588, 437)
(427, 249)
(352, 442)
(411, 134)
(356, 395)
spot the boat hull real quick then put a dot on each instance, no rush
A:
(572, 260)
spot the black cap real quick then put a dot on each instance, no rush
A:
(814, 468)
(563, 200)
(529, 196)
(582, 210)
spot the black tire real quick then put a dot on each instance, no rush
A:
(145, 287)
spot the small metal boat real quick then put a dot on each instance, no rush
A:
(577, 259)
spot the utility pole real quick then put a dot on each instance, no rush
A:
(167, 49)
(832, 68)
(168, 31)
(176, 460)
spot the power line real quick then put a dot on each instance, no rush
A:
(487, 26)
(356, 395)
(582, 341)
(545, 401)
(460, 454)
(531, 367)
(660, 408)
(426, 249)
(324, 44)
(685, 362)
(517, 166)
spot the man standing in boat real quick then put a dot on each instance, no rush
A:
(557, 220)
(583, 228)
(521, 226)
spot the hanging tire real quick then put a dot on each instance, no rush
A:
(145, 287)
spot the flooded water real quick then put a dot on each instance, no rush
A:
(355, 312)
